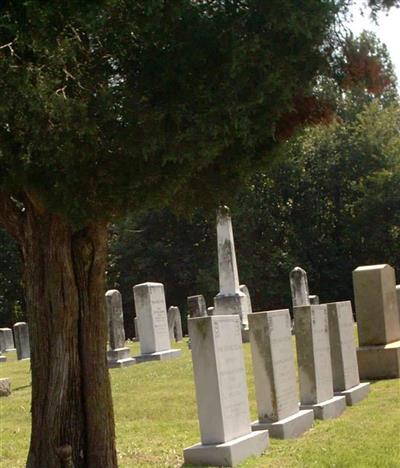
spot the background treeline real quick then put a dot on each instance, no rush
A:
(329, 202)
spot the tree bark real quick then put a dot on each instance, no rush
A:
(72, 413)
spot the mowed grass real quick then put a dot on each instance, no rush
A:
(156, 418)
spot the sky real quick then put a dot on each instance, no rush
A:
(387, 30)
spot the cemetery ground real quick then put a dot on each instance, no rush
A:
(156, 418)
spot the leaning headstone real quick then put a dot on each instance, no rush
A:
(221, 391)
(314, 299)
(21, 338)
(118, 355)
(196, 306)
(346, 379)
(378, 323)
(299, 287)
(275, 376)
(230, 299)
(175, 324)
(314, 361)
(6, 340)
(151, 312)
(5, 387)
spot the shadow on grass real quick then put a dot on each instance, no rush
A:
(22, 388)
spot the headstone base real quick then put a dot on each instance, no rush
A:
(5, 387)
(3, 359)
(160, 356)
(355, 394)
(10, 350)
(229, 453)
(379, 362)
(119, 358)
(328, 409)
(287, 428)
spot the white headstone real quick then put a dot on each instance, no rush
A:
(175, 324)
(248, 308)
(151, 312)
(115, 319)
(299, 287)
(6, 340)
(221, 389)
(21, 336)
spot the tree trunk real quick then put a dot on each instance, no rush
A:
(72, 413)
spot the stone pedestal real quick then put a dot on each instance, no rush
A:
(6, 340)
(151, 312)
(275, 377)
(314, 361)
(5, 387)
(221, 391)
(21, 335)
(378, 322)
(346, 380)
(119, 358)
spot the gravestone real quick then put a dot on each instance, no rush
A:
(314, 361)
(196, 306)
(230, 299)
(299, 287)
(210, 310)
(21, 339)
(378, 322)
(151, 312)
(275, 376)
(221, 391)
(346, 380)
(5, 387)
(175, 324)
(118, 354)
(314, 299)
(6, 340)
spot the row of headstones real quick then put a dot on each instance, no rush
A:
(20, 338)
(155, 326)
(328, 378)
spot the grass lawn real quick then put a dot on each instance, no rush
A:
(156, 417)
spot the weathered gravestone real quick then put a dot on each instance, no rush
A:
(314, 361)
(346, 380)
(21, 338)
(5, 387)
(210, 310)
(378, 323)
(6, 340)
(275, 376)
(196, 306)
(221, 391)
(299, 287)
(230, 299)
(118, 355)
(136, 329)
(175, 324)
(151, 312)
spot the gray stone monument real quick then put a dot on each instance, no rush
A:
(230, 299)
(6, 340)
(118, 354)
(314, 299)
(21, 339)
(5, 387)
(136, 328)
(314, 361)
(346, 380)
(299, 287)
(151, 312)
(275, 376)
(221, 391)
(175, 324)
(196, 306)
(378, 323)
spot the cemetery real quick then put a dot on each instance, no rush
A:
(199, 235)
